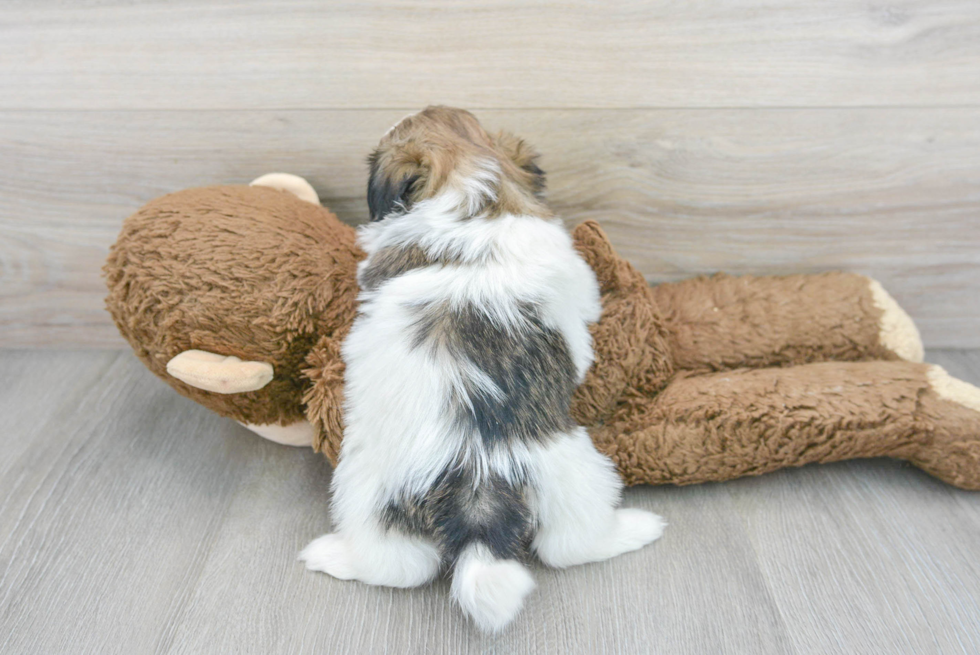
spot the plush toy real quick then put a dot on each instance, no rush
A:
(240, 296)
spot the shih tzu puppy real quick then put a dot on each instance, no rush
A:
(472, 335)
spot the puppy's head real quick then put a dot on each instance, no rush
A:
(444, 149)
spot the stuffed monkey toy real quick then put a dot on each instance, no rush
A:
(240, 296)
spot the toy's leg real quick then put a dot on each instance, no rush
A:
(575, 494)
(724, 322)
(362, 548)
(952, 451)
(750, 421)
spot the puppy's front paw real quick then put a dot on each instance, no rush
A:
(636, 528)
(330, 554)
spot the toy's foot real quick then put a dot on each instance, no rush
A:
(299, 433)
(897, 331)
(952, 450)
(294, 184)
(949, 388)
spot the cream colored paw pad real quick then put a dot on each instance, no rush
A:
(949, 388)
(898, 332)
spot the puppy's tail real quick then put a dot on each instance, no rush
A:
(488, 589)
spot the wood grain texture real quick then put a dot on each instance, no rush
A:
(892, 193)
(843, 551)
(133, 521)
(502, 53)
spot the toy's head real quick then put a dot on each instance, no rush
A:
(252, 273)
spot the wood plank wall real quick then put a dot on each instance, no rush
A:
(747, 136)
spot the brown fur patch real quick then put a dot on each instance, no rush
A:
(393, 261)
(442, 147)
(458, 510)
(530, 366)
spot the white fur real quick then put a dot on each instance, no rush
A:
(577, 491)
(396, 393)
(491, 591)
(399, 437)
(367, 553)
(512, 259)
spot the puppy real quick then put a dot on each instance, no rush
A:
(471, 337)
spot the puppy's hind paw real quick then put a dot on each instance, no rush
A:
(636, 528)
(329, 554)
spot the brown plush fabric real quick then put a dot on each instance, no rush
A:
(244, 271)
(723, 322)
(702, 380)
(751, 421)
(632, 355)
(324, 398)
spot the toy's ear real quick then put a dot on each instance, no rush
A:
(294, 184)
(390, 187)
(525, 158)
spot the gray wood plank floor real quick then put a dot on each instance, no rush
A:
(134, 521)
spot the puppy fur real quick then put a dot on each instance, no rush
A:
(471, 337)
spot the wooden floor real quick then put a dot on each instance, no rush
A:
(134, 521)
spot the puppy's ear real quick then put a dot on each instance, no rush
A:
(389, 191)
(525, 158)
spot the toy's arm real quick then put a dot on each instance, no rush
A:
(629, 340)
(722, 322)
(725, 425)
(324, 398)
